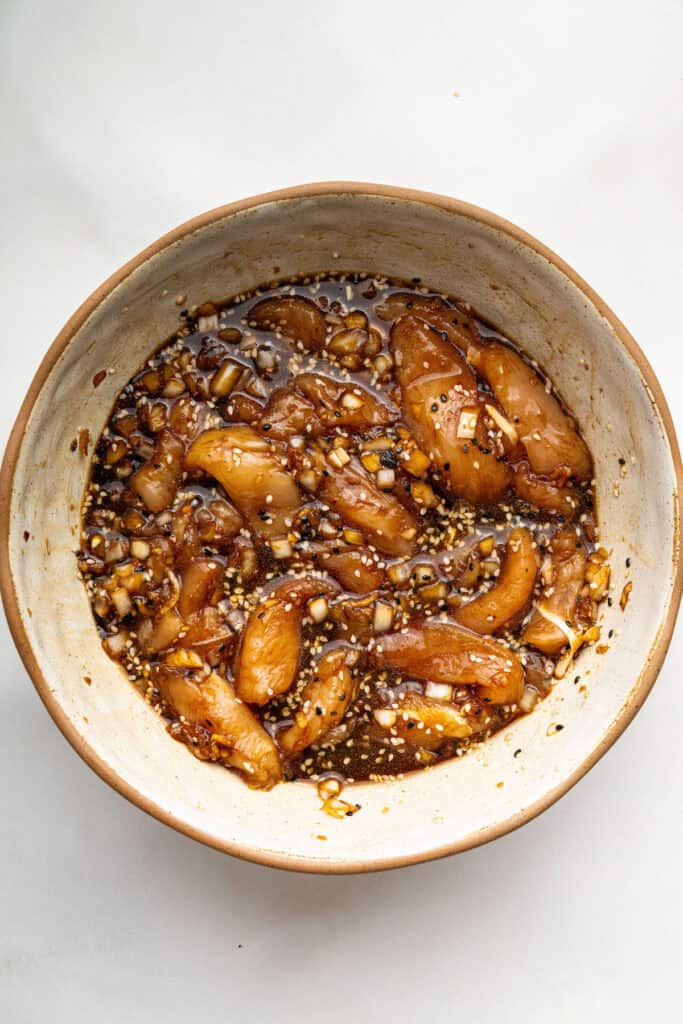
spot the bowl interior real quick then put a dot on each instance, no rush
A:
(519, 289)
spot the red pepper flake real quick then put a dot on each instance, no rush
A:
(87, 680)
(321, 837)
(98, 378)
(27, 535)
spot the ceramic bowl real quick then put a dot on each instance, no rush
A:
(512, 281)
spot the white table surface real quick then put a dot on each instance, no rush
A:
(119, 120)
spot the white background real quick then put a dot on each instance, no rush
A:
(119, 120)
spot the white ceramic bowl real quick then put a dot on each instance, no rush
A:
(518, 285)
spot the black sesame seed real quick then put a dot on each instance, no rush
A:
(388, 459)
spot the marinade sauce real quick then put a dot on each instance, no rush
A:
(340, 528)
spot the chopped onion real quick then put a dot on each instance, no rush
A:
(139, 549)
(225, 378)
(281, 548)
(399, 573)
(378, 444)
(382, 363)
(351, 401)
(439, 691)
(385, 717)
(173, 388)
(416, 462)
(467, 423)
(386, 478)
(115, 644)
(121, 601)
(235, 617)
(115, 551)
(308, 479)
(529, 699)
(329, 788)
(248, 562)
(370, 461)
(433, 592)
(486, 546)
(183, 658)
(383, 618)
(318, 609)
(266, 360)
(257, 388)
(424, 573)
(339, 457)
(101, 604)
(208, 323)
(423, 494)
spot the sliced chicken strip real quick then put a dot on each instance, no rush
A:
(249, 469)
(444, 652)
(549, 436)
(237, 737)
(269, 656)
(324, 700)
(442, 407)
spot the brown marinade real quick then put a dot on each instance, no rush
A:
(340, 527)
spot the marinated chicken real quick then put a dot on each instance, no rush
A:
(340, 529)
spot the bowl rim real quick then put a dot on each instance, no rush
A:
(652, 663)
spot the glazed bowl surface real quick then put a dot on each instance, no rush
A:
(522, 288)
